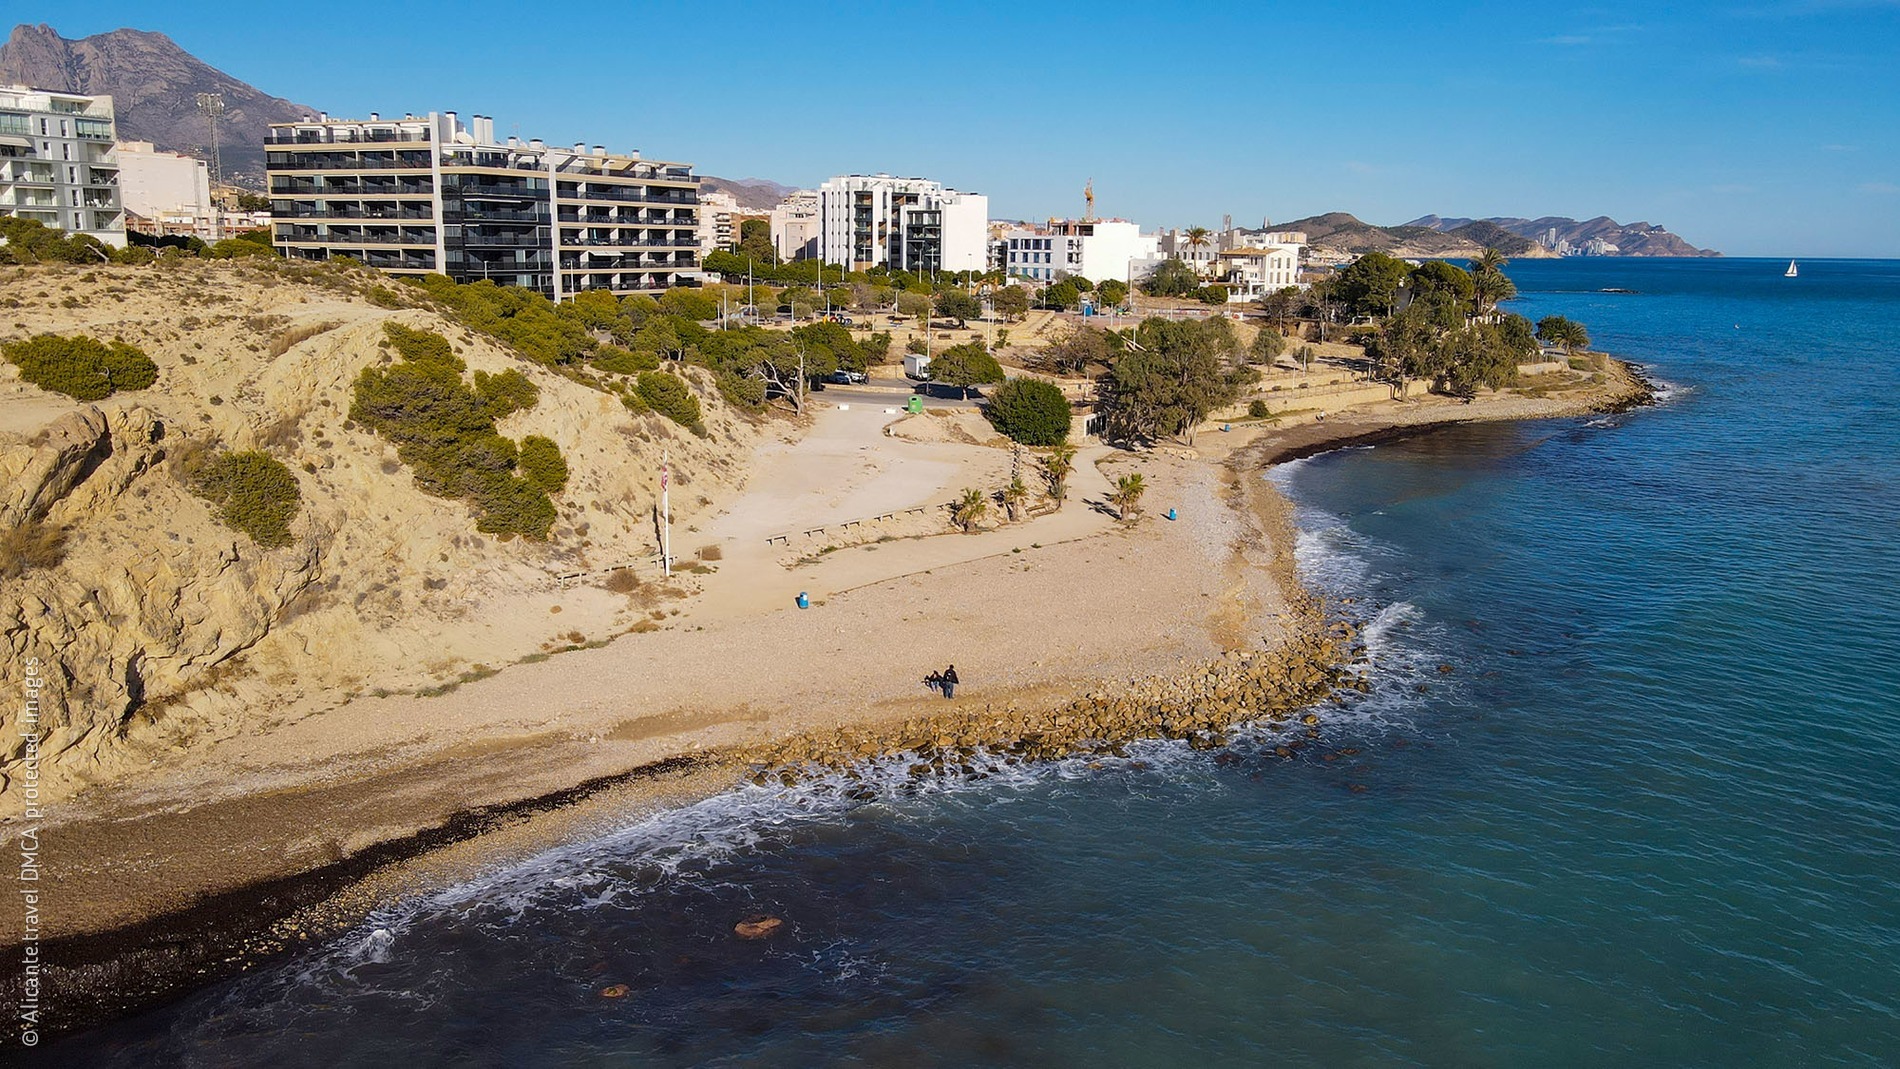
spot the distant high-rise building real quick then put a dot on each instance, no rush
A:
(57, 165)
(913, 224)
(426, 194)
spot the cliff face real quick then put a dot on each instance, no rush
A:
(161, 628)
(154, 86)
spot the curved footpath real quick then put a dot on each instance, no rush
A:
(1171, 629)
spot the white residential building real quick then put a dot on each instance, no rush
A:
(1095, 249)
(1250, 262)
(795, 226)
(153, 182)
(913, 224)
(57, 166)
(718, 223)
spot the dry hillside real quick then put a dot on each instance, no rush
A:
(158, 625)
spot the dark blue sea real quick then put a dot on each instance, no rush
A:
(1650, 817)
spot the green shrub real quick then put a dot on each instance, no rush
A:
(690, 303)
(742, 391)
(542, 465)
(421, 346)
(512, 505)
(445, 431)
(82, 368)
(1030, 411)
(521, 318)
(1257, 409)
(618, 361)
(506, 392)
(254, 493)
(671, 397)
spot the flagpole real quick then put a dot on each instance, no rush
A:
(666, 515)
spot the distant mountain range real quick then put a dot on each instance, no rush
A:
(1343, 234)
(1435, 236)
(753, 194)
(1630, 239)
(154, 86)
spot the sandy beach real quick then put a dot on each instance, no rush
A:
(190, 870)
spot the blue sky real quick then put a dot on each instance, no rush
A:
(1758, 128)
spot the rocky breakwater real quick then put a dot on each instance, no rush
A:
(113, 619)
(1199, 706)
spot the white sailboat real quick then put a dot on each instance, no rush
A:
(1792, 270)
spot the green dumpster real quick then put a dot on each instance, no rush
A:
(916, 403)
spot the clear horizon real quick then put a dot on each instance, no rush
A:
(1760, 129)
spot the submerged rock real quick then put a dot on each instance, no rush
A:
(758, 926)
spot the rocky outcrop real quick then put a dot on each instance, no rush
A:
(33, 479)
(130, 619)
(1199, 707)
(163, 631)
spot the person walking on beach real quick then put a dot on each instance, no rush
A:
(948, 681)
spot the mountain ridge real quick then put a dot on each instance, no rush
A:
(1632, 239)
(154, 84)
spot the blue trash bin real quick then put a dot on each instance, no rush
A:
(804, 600)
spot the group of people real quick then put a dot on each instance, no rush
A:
(945, 681)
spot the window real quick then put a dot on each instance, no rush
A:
(42, 127)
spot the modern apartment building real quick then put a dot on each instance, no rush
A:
(1095, 249)
(913, 224)
(795, 226)
(427, 194)
(57, 166)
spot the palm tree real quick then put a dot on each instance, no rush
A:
(1014, 495)
(1057, 463)
(1490, 286)
(1127, 496)
(1197, 238)
(1489, 260)
(969, 510)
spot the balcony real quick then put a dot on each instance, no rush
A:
(484, 189)
(349, 188)
(334, 136)
(495, 215)
(530, 241)
(285, 163)
(298, 212)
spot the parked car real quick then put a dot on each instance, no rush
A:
(842, 377)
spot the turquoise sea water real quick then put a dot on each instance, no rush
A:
(1650, 817)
